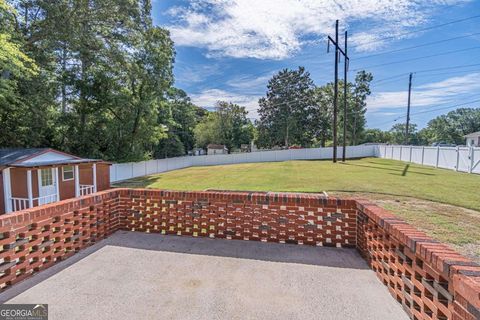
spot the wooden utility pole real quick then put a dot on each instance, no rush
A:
(345, 84)
(408, 109)
(335, 98)
(335, 101)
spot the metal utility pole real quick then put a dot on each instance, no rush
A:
(335, 98)
(345, 84)
(408, 108)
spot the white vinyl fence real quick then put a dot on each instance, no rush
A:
(465, 159)
(124, 171)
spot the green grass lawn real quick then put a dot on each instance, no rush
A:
(443, 203)
(364, 175)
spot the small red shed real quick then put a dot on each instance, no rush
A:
(36, 176)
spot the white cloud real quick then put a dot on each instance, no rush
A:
(365, 41)
(196, 73)
(386, 113)
(276, 29)
(209, 97)
(435, 93)
(247, 83)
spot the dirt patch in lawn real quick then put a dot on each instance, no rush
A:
(456, 226)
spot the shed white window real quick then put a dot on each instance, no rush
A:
(47, 177)
(67, 173)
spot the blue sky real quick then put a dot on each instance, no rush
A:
(228, 49)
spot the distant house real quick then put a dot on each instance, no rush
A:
(37, 176)
(213, 149)
(244, 147)
(197, 152)
(473, 139)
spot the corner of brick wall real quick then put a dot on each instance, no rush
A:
(428, 278)
(36, 238)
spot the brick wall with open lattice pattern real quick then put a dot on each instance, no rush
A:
(273, 217)
(429, 279)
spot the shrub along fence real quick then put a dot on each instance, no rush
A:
(428, 278)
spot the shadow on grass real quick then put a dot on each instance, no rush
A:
(399, 164)
(141, 182)
(399, 171)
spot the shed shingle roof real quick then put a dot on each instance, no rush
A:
(473, 134)
(14, 156)
(11, 155)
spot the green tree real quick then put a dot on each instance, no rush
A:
(322, 114)
(179, 116)
(451, 127)
(397, 134)
(118, 90)
(104, 70)
(23, 112)
(208, 131)
(228, 125)
(358, 106)
(375, 136)
(186, 115)
(286, 109)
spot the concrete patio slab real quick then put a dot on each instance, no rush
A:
(149, 276)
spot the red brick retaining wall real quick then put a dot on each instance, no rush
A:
(428, 278)
(273, 217)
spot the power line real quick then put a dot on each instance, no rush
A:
(427, 70)
(447, 73)
(382, 38)
(253, 75)
(374, 82)
(431, 110)
(308, 99)
(429, 28)
(396, 36)
(417, 58)
(414, 47)
(447, 68)
(390, 78)
(427, 75)
(273, 72)
(444, 108)
(396, 76)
